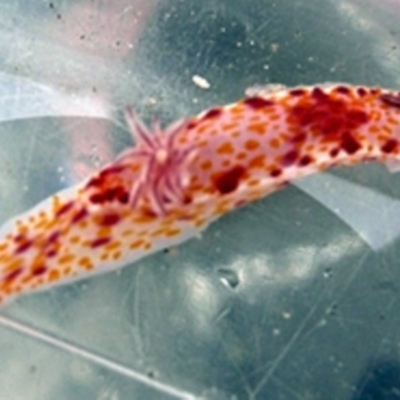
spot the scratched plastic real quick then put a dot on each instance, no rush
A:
(294, 295)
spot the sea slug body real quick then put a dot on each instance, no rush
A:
(173, 183)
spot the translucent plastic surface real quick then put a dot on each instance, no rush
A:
(293, 297)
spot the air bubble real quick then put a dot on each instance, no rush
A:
(229, 277)
(328, 273)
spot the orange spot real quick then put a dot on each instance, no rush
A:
(229, 126)
(89, 266)
(254, 182)
(158, 232)
(258, 128)
(172, 232)
(143, 218)
(136, 244)
(199, 222)
(237, 110)
(6, 258)
(241, 156)
(274, 143)
(75, 239)
(225, 148)
(22, 229)
(112, 245)
(221, 208)
(85, 262)
(374, 129)
(3, 246)
(203, 128)
(66, 258)
(83, 224)
(206, 164)
(251, 144)
(128, 232)
(135, 168)
(257, 162)
(54, 275)
(104, 232)
(117, 255)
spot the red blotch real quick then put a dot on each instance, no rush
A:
(20, 237)
(213, 113)
(390, 146)
(342, 90)
(305, 160)
(110, 194)
(326, 116)
(13, 275)
(123, 196)
(100, 179)
(52, 239)
(391, 99)
(100, 242)
(290, 157)
(349, 144)
(23, 247)
(276, 172)
(361, 92)
(257, 103)
(117, 193)
(96, 198)
(300, 137)
(109, 219)
(319, 94)
(39, 270)
(113, 193)
(51, 253)
(229, 180)
(357, 117)
(79, 216)
(115, 169)
(334, 152)
(95, 182)
(65, 208)
(192, 124)
(297, 92)
(332, 125)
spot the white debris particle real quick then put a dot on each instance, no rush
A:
(152, 100)
(286, 315)
(201, 82)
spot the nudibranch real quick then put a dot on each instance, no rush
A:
(173, 183)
